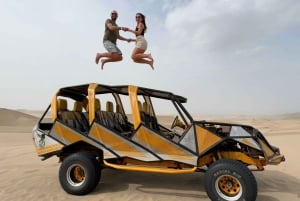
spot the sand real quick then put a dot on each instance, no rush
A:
(25, 177)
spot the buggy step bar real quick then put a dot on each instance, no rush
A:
(149, 169)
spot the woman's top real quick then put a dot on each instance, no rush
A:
(142, 33)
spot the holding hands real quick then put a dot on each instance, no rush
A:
(130, 40)
(124, 28)
(127, 29)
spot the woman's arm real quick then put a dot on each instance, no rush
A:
(125, 39)
(139, 31)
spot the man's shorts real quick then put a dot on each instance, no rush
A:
(111, 47)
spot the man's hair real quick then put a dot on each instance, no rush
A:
(113, 11)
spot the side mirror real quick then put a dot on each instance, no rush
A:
(178, 122)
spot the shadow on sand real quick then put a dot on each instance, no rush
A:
(181, 185)
(191, 185)
(271, 181)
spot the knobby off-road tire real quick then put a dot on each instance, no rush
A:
(230, 180)
(79, 173)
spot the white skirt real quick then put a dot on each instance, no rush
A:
(141, 42)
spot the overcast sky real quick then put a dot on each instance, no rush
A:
(225, 56)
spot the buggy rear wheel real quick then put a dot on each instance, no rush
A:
(230, 180)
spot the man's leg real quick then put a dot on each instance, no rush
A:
(113, 54)
(110, 57)
(105, 54)
(98, 56)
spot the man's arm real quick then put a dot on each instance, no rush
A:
(126, 39)
(117, 28)
(122, 38)
(112, 27)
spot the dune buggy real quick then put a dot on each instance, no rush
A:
(94, 126)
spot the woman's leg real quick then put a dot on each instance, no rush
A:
(145, 61)
(138, 56)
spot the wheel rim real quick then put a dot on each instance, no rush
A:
(229, 187)
(75, 175)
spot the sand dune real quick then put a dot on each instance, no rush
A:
(25, 177)
(295, 115)
(15, 118)
(15, 121)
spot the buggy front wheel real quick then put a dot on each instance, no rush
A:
(230, 180)
(79, 173)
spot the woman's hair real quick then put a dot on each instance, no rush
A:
(143, 20)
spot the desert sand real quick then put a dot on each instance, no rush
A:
(25, 177)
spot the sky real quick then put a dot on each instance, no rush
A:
(224, 56)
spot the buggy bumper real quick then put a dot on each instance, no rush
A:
(276, 159)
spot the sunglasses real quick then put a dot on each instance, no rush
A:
(137, 16)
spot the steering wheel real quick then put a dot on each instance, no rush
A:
(174, 122)
(170, 135)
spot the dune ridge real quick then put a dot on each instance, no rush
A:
(15, 118)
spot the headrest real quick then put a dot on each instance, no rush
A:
(77, 106)
(97, 104)
(146, 108)
(109, 106)
(62, 105)
(140, 106)
(118, 108)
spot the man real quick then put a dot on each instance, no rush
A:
(111, 34)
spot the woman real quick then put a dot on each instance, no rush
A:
(138, 55)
